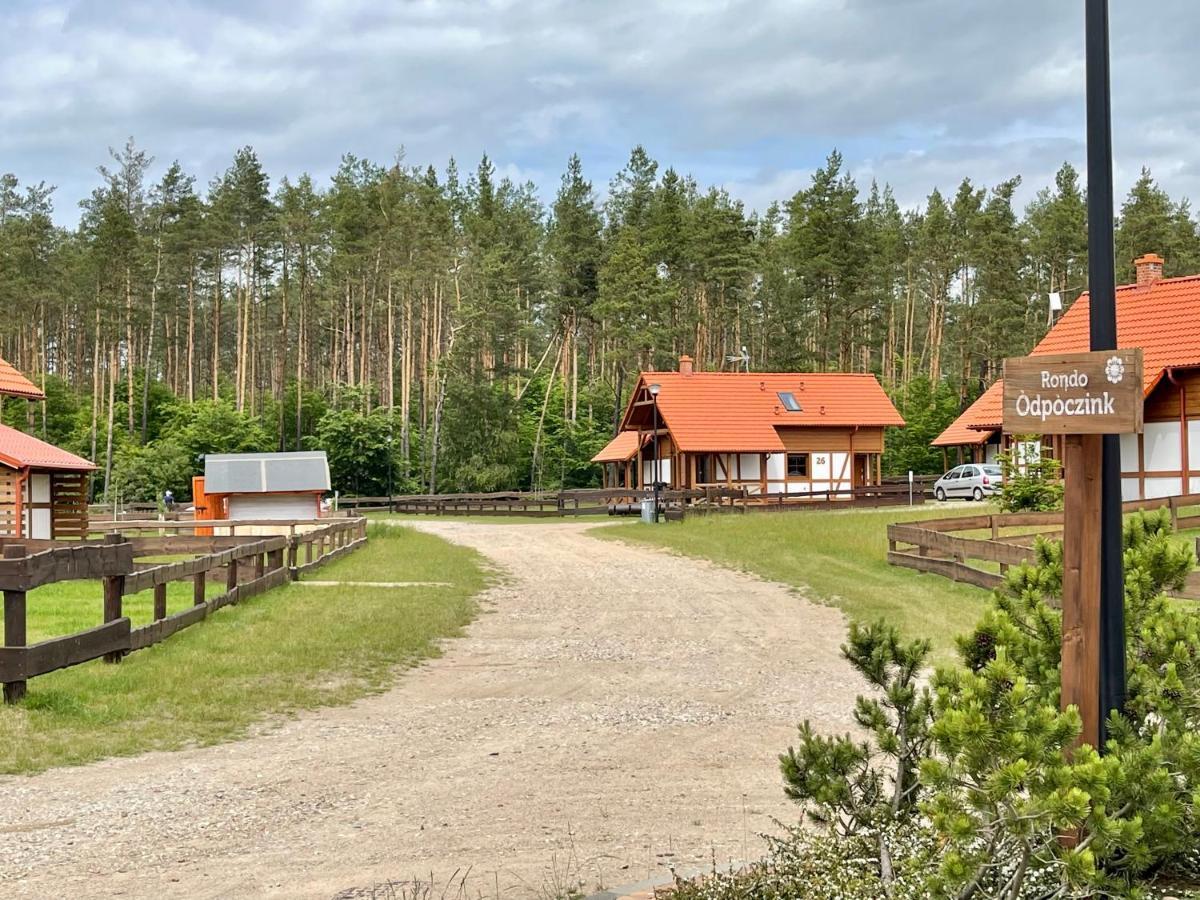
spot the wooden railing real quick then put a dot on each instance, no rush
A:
(250, 567)
(601, 501)
(932, 545)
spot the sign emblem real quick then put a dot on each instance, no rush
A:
(1114, 369)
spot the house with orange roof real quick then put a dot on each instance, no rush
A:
(43, 488)
(766, 432)
(1160, 315)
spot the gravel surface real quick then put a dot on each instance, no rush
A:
(613, 712)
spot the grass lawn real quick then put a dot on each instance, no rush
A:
(836, 557)
(293, 648)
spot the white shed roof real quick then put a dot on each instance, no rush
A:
(265, 473)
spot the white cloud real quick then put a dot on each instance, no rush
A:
(747, 93)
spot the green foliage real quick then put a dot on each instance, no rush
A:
(1001, 778)
(1004, 782)
(361, 451)
(860, 789)
(927, 410)
(1030, 485)
(142, 473)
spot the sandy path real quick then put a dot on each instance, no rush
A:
(613, 711)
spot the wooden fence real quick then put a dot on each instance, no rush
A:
(937, 545)
(249, 566)
(675, 504)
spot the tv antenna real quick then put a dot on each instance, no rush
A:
(740, 360)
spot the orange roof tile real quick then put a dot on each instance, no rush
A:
(1162, 318)
(14, 384)
(977, 422)
(619, 449)
(740, 411)
(22, 451)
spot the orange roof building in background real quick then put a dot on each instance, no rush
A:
(770, 433)
(43, 488)
(1161, 316)
(14, 384)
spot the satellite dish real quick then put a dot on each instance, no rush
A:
(1055, 301)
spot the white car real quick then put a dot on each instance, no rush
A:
(974, 481)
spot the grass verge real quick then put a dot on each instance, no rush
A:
(296, 647)
(838, 558)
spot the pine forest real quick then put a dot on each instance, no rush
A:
(438, 329)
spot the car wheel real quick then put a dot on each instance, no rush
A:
(940, 495)
(978, 494)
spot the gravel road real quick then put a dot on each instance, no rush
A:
(613, 712)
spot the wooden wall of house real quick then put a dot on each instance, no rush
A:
(1163, 404)
(68, 497)
(8, 501)
(807, 439)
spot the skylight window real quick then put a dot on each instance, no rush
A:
(789, 401)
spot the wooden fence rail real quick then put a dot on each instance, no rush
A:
(932, 546)
(676, 504)
(250, 566)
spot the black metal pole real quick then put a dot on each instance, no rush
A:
(1103, 334)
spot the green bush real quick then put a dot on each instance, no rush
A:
(1030, 485)
(1001, 780)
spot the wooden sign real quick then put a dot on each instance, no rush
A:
(1074, 393)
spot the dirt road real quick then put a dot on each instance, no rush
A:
(613, 711)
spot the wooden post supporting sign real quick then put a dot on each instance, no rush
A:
(1084, 396)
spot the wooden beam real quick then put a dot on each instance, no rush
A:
(1081, 582)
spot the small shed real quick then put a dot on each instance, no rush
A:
(265, 485)
(43, 489)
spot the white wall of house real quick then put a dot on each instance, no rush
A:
(749, 466)
(1161, 446)
(664, 471)
(776, 466)
(38, 523)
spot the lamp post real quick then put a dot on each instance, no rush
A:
(654, 389)
(1103, 334)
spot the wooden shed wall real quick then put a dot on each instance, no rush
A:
(812, 440)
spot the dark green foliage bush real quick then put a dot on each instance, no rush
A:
(1001, 780)
(1030, 485)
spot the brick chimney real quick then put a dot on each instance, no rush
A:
(1149, 269)
(685, 365)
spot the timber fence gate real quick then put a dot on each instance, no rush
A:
(251, 565)
(939, 545)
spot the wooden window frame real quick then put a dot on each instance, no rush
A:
(806, 474)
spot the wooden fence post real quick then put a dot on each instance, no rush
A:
(198, 582)
(14, 624)
(231, 577)
(114, 590)
(291, 552)
(160, 601)
(260, 560)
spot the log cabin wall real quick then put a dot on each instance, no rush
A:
(69, 512)
(8, 502)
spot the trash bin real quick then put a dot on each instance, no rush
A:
(648, 509)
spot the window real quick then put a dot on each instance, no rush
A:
(789, 401)
(797, 465)
(951, 475)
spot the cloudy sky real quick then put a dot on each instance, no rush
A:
(749, 94)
